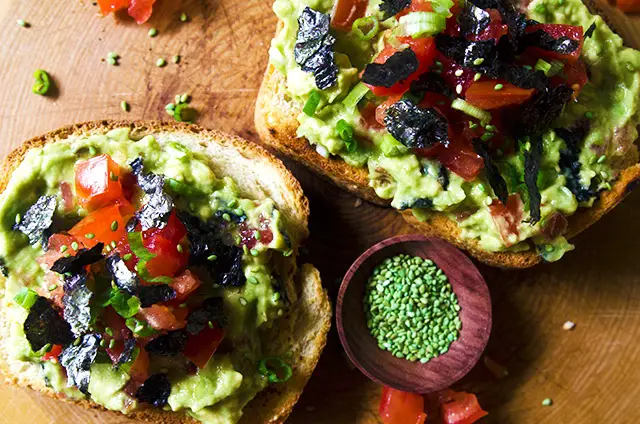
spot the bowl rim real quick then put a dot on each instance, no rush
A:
(348, 278)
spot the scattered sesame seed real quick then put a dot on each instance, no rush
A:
(243, 301)
(185, 98)
(160, 63)
(176, 59)
(459, 73)
(124, 106)
(23, 23)
(179, 248)
(90, 236)
(184, 17)
(602, 158)
(547, 402)
(170, 106)
(459, 88)
(569, 325)
(478, 61)
(588, 115)
(498, 87)
(114, 225)
(74, 245)
(357, 203)
(52, 287)
(153, 32)
(477, 76)
(212, 258)
(254, 252)
(127, 256)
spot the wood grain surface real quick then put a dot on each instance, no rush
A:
(591, 373)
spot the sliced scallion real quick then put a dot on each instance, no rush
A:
(355, 95)
(471, 110)
(312, 103)
(345, 131)
(391, 147)
(365, 28)
(26, 298)
(43, 82)
(556, 68)
(275, 369)
(543, 65)
(418, 24)
(442, 7)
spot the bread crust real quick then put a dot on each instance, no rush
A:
(276, 123)
(301, 332)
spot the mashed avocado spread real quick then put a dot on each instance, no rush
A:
(191, 309)
(587, 138)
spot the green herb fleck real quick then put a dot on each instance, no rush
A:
(184, 17)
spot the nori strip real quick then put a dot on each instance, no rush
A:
(150, 295)
(397, 68)
(155, 213)
(543, 108)
(132, 224)
(77, 361)
(430, 82)
(123, 277)
(44, 325)
(531, 169)
(543, 40)
(443, 177)
(155, 390)
(473, 20)
(127, 353)
(3, 267)
(416, 127)
(148, 182)
(231, 266)
(391, 8)
(210, 311)
(75, 264)
(37, 220)
(76, 302)
(313, 50)
(589, 32)
(496, 181)
(570, 159)
(169, 344)
(418, 203)
(465, 52)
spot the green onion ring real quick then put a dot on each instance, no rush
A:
(43, 82)
(271, 366)
(360, 23)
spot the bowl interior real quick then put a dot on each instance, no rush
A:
(380, 365)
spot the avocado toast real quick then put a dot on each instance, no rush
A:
(541, 115)
(185, 305)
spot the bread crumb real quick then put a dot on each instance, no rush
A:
(357, 203)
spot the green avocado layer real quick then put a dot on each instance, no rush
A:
(611, 96)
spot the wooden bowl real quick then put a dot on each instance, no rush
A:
(380, 365)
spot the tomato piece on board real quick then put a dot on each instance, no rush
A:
(397, 407)
(201, 347)
(425, 50)
(53, 353)
(461, 408)
(184, 284)
(507, 217)
(556, 31)
(484, 95)
(629, 6)
(160, 317)
(108, 6)
(346, 12)
(97, 182)
(101, 225)
(141, 10)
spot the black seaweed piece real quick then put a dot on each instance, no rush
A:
(589, 32)
(531, 170)
(418, 203)
(496, 181)
(155, 390)
(169, 344)
(473, 20)
(3, 267)
(148, 182)
(443, 177)
(520, 76)
(539, 112)
(132, 224)
(204, 238)
(465, 52)
(210, 311)
(125, 279)
(37, 220)
(150, 295)
(543, 40)
(76, 302)
(75, 264)
(77, 360)
(570, 159)
(391, 8)
(430, 82)
(155, 213)
(416, 127)
(127, 353)
(231, 267)
(314, 47)
(485, 4)
(44, 325)
(397, 68)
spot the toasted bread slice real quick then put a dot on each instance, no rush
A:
(276, 123)
(301, 333)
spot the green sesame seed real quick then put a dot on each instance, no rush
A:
(113, 244)
(257, 235)
(254, 252)
(112, 176)
(588, 115)
(184, 17)
(74, 245)
(153, 32)
(23, 23)
(161, 63)
(18, 218)
(183, 305)
(103, 343)
(479, 61)
(243, 301)
(52, 287)
(602, 158)
(212, 258)
(226, 217)
(547, 402)
(90, 236)
(185, 98)
(170, 106)
(179, 248)
(63, 248)
(477, 76)
(92, 151)
(114, 225)
(176, 59)
(112, 61)
(112, 343)
(238, 212)
(459, 72)
(127, 256)
(124, 106)
(498, 87)
(109, 331)
(210, 324)
(77, 341)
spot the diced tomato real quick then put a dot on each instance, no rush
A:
(174, 231)
(381, 110)
(346, 12)
(201, 347)
(397, 407)
(368, 116)
(576, 74)
(556, 31)
(117, 324)
(554, 226)
(507, 218)
(457, 77)
(453, 27)
(54, 247)
(184, 284)
(67, 196)
(494, 31)
(462, 160)
(139, 372)
(160, 317)
(53, 353)
(97, 182)
(425, 50)
(461, 408)
(168, 260)
(99, 224)
(108, 6)
(248, 234)
(52, 279)
(141, 10)
(629, 6)
(484, 95)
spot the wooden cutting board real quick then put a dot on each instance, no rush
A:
(591, 373)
